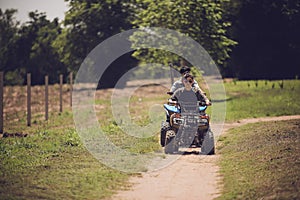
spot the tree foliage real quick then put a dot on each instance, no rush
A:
(43, 57)
(28, 48)
(202, 20)
(87, 23)
(268, 36)
(8, 56)
(8, 30)
(248, 39)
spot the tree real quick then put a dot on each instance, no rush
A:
(8, 30)
(34, 48)
(268, 36)
(201, 20)
(27, 48)
(88, 23)
(44, 59)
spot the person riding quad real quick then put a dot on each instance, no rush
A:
(188, 93)
(194, 85)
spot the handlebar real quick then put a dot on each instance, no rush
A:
(171, 102)
(200, 103)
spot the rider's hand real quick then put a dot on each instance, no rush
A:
(208, 103)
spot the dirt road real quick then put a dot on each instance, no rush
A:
(191, 177)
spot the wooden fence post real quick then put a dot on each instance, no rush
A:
(1, 102)
(46, 97)
(28, 99)
(71, 88)
(60, 92)
(171, 73)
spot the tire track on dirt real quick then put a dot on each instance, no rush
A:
(191, 177)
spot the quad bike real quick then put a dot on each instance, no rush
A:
(186, 127)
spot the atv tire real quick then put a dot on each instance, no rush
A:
(171, 146)
(208, 145)
(165, 126)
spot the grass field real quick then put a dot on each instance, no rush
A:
(15, 101)
(52, 163)
(251, 99)
(261, 161)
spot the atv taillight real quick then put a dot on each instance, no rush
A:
(204, 117)
(177, 115)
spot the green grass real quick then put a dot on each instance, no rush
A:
(246, 100)
(130, 143)
(52, 163)
(261, 161)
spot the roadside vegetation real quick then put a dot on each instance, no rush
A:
(263, 98)
(261, 161)
(52, 163)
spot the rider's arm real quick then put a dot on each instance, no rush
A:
(196, 87)
(207, 101)
(199, 93)
(175, 96)
(202, 97)
(176, 85)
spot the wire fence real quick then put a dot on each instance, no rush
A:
(19, 102)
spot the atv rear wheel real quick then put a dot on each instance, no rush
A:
(208, 145)
(165, 126)
(171, 146)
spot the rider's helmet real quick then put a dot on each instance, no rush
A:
(188, 77)
(184, 70)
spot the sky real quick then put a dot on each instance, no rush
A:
(52, 8)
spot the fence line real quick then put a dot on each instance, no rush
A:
(60, 92)
(46, 97)
(11, 99)
(28, 99)
(71, 87)
(1, 102)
